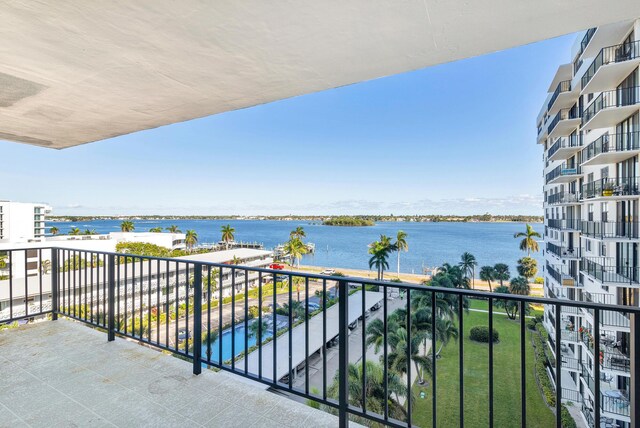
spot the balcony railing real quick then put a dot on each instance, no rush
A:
(564, 86)
(564, 114)
(565, 143)
(604, 229)
(563, 252)
(564, 170)
(564, 224)
(610, 360)
(612, 143)
(586, 39)
(563, 278)
(563, 198)
(609, 55)
(618, 404)
(615, 98)
(184, 306)
(616, 186)
(608, 273)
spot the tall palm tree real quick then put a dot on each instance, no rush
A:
(501, 272)
(54, 230)
(74, 231)
(191, 239)
(380, 251)
(127, 226)
(298, 233)
(155, 230)
(445, 331)
(488, 273)
(405, 349)
(227, 234)
(296, 249)
(468, 265)
(528, 242)
(258, 330)
(401, 245)
(520, 286)
(173, 229)
(236, 260)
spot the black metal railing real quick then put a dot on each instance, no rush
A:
(270, 326)
(564, 224)
(611, 360)
(586, 39)
(561, 276)
(564, 114)
(606, 229)
(610, 143)
(611, 54)
(612, 186)
(617, 404)
(564, 170)
(564, 86)
(563, 198)
(620, 97)
(563, 252)
(567, 142)
(604, 271)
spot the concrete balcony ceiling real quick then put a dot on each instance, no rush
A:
(76, 71)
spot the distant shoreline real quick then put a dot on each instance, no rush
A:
(319, 219)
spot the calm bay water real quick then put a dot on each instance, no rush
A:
(430, 244)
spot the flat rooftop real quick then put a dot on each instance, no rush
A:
(62, 373)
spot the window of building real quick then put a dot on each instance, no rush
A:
(590, 212)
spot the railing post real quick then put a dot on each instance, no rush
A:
(197, 319)
(111, 299)
(54, 284)
(343, 353)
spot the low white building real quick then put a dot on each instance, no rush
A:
(22, 222)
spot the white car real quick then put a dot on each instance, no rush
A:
(328, 272)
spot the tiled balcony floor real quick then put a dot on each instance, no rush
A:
(64, 374)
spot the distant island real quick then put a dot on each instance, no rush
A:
(418, 218)
(348, 221)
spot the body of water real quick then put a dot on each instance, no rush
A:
(430, 244)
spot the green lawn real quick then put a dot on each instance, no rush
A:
(476, 365)
(484, 305)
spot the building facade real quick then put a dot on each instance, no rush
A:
(22, 222)
(589, 128)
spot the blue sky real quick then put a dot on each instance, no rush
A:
(456, 138)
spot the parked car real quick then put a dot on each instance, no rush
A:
(182, 334)
(353, 325)
(328, 272)
(313, 306)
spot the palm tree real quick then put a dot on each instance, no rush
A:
(519, 285)
(401, 245)
(127, 226)
(405, 349)
(227, 234)
(173, 229)
(528, 244)
(298, 233)
(208, 339)
(527, 267)
(191, 239)
(297, 309)
(89, 232)
(468, 265)
(373, 395)
(74, 231)
(445, 331)
(236, 260)
(488, 273)
(54, 230)
(257, 330)
(296, 249)
(501, 272)
(380, 251)
(3, 261)
(155, 230)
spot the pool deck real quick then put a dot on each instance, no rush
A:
(65, 374)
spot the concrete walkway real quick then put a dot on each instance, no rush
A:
(64, 374)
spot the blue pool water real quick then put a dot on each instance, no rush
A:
(240, 333)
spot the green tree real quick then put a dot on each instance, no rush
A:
(519, 286)
(45, 267)
(488, 273)
(528, 242)
(298, 233)
(501, 272)
(296, 249)
(54, 230)
(74, 231)
(401, 245)
(468, 265)
(208, 339)
(191, 239)
(258, 330)
(127, 226)
(452, 274)
(527, 267)
(373, 395)
(89, 232)
(509, 306)
(380, 251)
(405, 349)
(227, 234)
(173, 229)
(155, 230)
(3, 260)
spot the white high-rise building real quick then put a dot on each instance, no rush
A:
(589, 127)
(22, 222)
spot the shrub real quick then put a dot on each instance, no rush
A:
(254, 311)
(480, 333)
(538, 280)
(531, 324)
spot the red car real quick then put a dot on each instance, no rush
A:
(276, 266)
